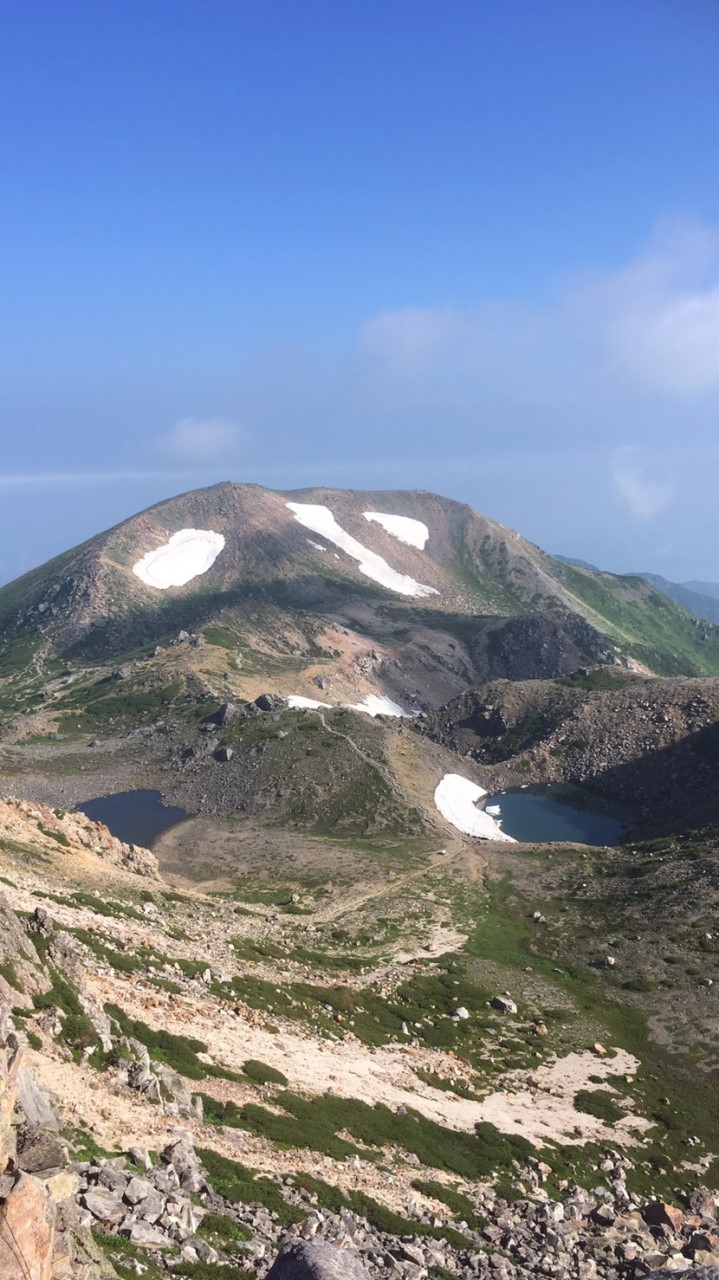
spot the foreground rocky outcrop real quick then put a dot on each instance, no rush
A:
(41, 1236)
(37, 829)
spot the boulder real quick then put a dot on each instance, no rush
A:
(33, 1103)
(316, 1260)
(180, 1154)
(696, 1273)
(104, 1205)
(504, 1004)
(657, 1213)
(226, 713)
(38, 1149)
(269, 702)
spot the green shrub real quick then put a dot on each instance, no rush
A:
(598, 1103)
(239, 1185)
(315, 1123)
(9, 973)
(223, 1227)
(260, 1073)
(78, 1031)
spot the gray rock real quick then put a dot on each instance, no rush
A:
(226, 714)
(268, 702)
(34, 1104)
(138, 1189)
(181, 1155)
(146, 1235)
(104, 1205)
(38, 1150)
(696, 1273)
(504, 1004)
(140, 1157)
(112, 1179)
(316, 1260)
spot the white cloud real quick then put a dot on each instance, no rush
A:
(200, 439)
(643, 496)
(671, 342)
(407, 339)
(648, 328)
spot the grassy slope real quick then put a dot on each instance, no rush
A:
(644, 623)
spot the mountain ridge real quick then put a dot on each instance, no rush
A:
(482, 578)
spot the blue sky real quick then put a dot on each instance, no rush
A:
(471, 247)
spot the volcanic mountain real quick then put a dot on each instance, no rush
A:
(445, 597)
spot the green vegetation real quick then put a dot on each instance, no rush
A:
(260, 1073)
(239, 1185)
(377, 1215)
(597, 1005)
(126, 1256)
(598, 1103)
(179, 1052)
(59, 836)
(220, 1227)
(9, 973)
(645, 622)
(602, 678)
(78, 1031)
(315, 1123)
(93, 902)
(107, 702)
(460, 1204)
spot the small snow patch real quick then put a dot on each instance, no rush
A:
(296, 702)
(183, 557)
(320, 520)
(456, 798)
(413, 532)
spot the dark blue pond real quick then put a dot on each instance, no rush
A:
(538, 815)
(137, 817)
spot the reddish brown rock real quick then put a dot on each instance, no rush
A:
(657, 1213)
(27, 1231)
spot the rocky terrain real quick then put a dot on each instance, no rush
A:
(648, 747)
(319, 1023)
(193, 1079)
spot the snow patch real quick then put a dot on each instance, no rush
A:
(413, 532)
(456, 798)
(320, 520)
(317, 545)
(184, 556)
(374, 706)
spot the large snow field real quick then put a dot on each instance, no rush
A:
(456, 798)
(413, 532)
(319, 519)
(186, 555)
